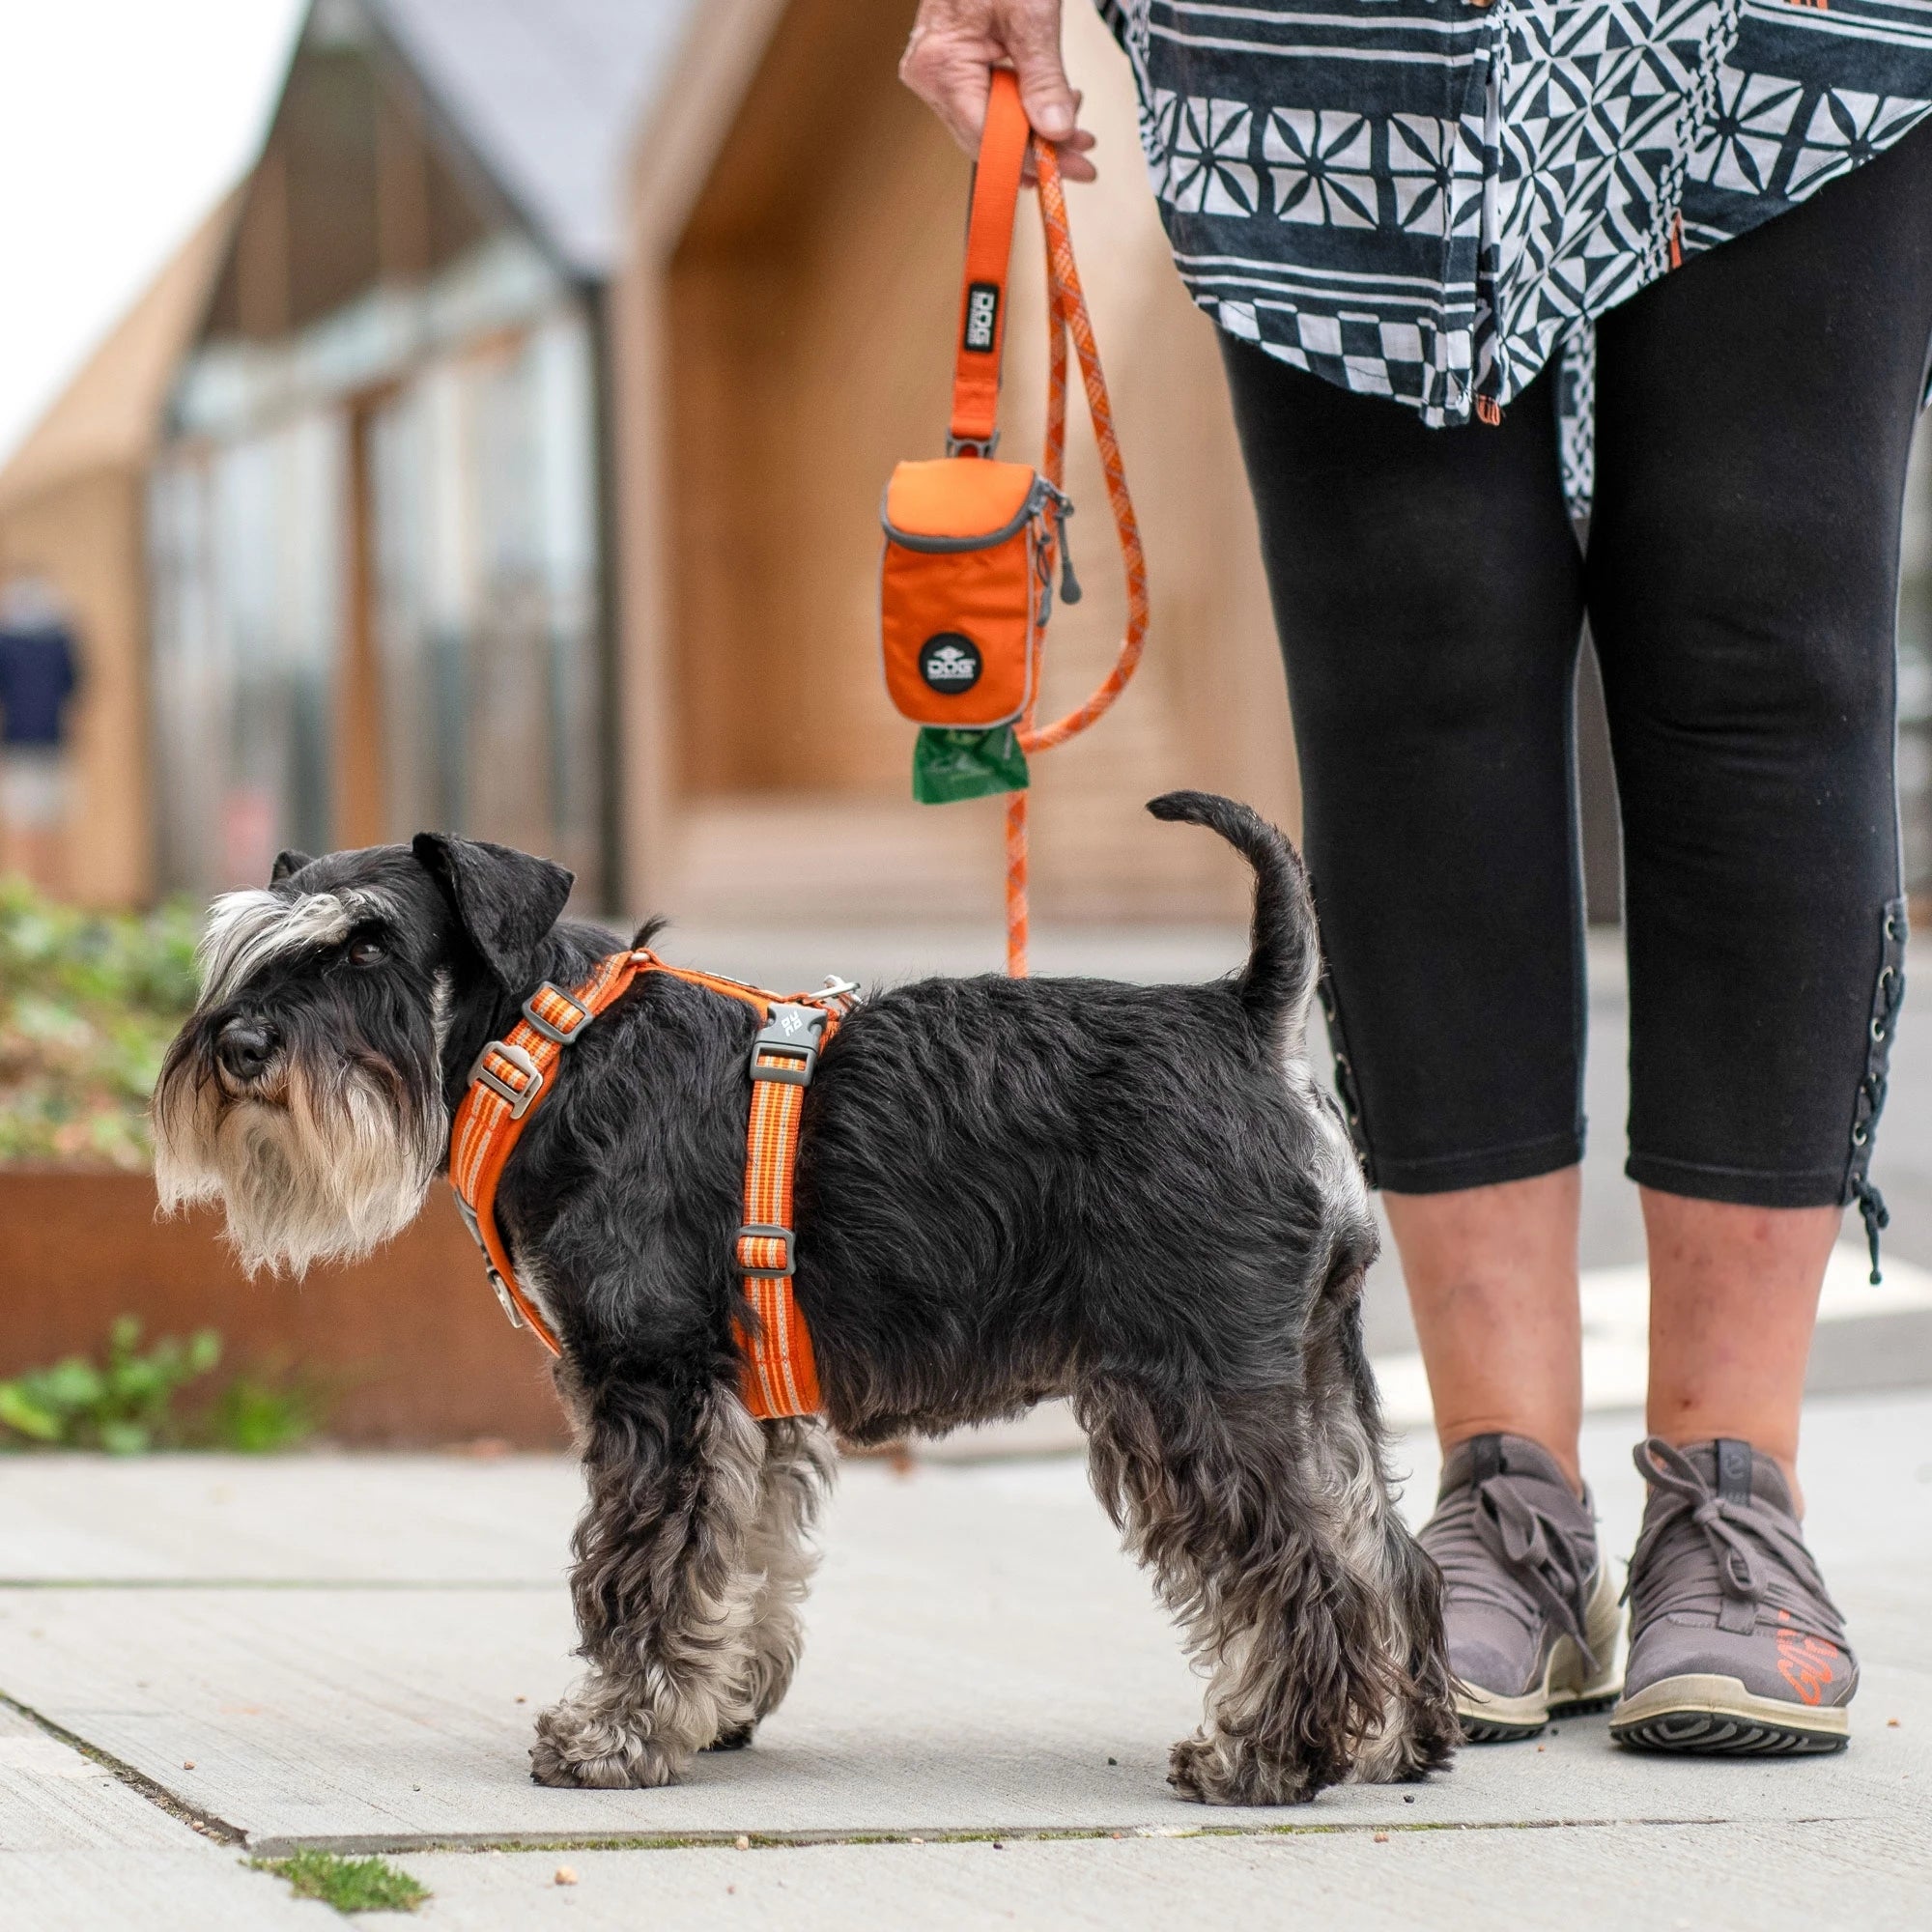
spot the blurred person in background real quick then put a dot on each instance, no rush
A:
(39, 675)
(1428, 230)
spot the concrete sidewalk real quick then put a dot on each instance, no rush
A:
(348, 1652)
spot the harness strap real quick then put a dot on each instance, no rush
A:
(990, 246)
(508, 1078)
(511, 1076)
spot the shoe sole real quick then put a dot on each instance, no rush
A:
(1567, 1690)
(1717, 1716)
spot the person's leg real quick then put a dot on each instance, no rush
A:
(1754, 416)
(1428, 593)
(1492, 1276)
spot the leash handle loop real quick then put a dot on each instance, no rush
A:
(989, 247)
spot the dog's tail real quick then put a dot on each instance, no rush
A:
(1284, 957)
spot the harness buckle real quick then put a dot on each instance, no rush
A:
(765, 1230)
(973, 445)
(550, 1030)
(497, 1282)
(792, 1033)
(483, 1074)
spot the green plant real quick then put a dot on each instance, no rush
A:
(129, 1404)
(88, 1004)
(124, 1406)
(260, 1411)
(350, 1884)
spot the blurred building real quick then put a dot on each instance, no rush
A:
(505, 457)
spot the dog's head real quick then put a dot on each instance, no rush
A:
(307, 1092)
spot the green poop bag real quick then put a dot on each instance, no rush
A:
(947, 764)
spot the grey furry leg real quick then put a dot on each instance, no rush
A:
(664, 1596)
(793, 1484)
(1399, 1588)
(1210, 1493)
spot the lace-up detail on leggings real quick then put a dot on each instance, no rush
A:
(1715, 1550)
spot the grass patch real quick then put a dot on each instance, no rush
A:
(350, 1884)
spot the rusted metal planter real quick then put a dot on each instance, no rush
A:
(411, 1344)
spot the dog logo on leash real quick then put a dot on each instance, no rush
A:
(982, 316)
(950, 662)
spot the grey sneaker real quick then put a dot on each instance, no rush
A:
(1530, 1611)
(1735, 1645)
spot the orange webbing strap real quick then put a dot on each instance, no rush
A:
(508, 1079)
(783, 1377)
(1066, 311)
(989, 244)
(511, 1075)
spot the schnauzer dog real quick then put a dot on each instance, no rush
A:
(1138, 1198)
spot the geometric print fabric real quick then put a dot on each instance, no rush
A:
(1429, 200)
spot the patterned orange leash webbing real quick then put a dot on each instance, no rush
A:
(1066, 312)
(512, 1074)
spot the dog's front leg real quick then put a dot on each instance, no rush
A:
(663, 1593)
(799, 1464)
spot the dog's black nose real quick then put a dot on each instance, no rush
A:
(245, 1046)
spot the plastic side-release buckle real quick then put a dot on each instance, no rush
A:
(787, 1048)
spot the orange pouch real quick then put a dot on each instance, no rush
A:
(963, 586)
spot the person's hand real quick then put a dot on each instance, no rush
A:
(949, 62)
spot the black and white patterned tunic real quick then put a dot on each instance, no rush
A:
(1430, 199)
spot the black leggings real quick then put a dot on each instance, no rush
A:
(1754, 411)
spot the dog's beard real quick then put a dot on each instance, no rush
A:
(325, 1170)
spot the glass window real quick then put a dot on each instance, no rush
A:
(483, 501)
(247, 547)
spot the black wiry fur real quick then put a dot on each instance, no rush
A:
(1134, 1196)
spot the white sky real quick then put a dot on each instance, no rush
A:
(121, 123)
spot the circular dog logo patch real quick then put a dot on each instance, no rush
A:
(950, 663)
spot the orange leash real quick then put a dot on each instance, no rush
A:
(511, 1077)
(1066, 312)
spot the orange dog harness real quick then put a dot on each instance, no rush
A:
(511, 1076)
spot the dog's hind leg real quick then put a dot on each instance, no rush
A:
(1398, 1585)
(666, 1598)
(797, 1473)
(1209, 1490)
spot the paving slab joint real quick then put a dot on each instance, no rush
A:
(402, 1844)
(216, 1830)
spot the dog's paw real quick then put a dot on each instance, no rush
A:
(1226, 1771)
(735, 1737)
(576, 1751)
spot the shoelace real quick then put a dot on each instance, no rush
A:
(1524, 1546)
(1740, 1539)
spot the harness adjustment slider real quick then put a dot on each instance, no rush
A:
(766, 1231)
(483, 1074)
(581, 1014)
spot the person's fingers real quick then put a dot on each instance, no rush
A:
(951, 73)
(949, 65)
(1033, 46)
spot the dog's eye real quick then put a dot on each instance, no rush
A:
(368, 952)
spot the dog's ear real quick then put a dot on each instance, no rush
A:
(505, 902)
(287, 865)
